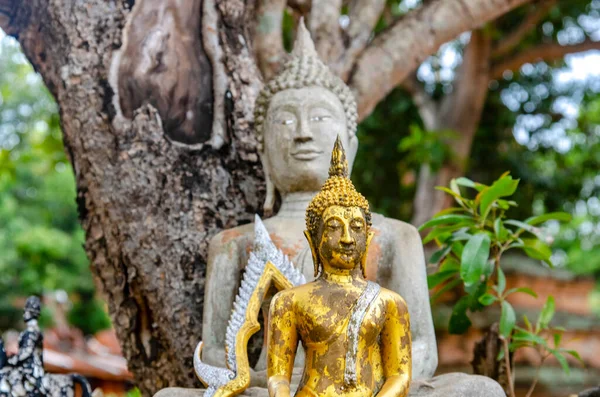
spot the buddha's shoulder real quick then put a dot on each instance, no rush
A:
(288, 299)
(393, 228)
(236, 234)
(390, 297)
(296, 294)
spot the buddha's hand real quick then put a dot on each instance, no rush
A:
(279, 386)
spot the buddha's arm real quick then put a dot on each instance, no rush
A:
(222, 281)
(396, 350)
(409, 278)
(282, 340)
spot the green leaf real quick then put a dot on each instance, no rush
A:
(457, 248)
(454, 187)
(561, 360)
(505, 204)
(507, 319)
(505, 186)
(452, 284)
(459, 321)
(447, 219)
(524, 226)
(474, 259)
(558, 216)
(443, 233)
(501, 281)
(525, 290)
(557, 339)
(487, 299)
(527, 323)
(546, 314)
(499, 230)
(440, 254)
(575, 354)
(537, 249)
(526, 336)
(439, 277)
(450, 210)
(450, 263)
(462, 181)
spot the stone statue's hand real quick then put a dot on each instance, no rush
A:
(258, 378)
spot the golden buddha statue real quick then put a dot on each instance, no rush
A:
(355, 334)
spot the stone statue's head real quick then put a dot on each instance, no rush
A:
(32, 309)
(298, 115)
(338, 220)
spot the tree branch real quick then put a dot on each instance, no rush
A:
(469, 91)
(396, 52)
(544, 52)
(268, 40)
(363, 15)
(428, 108)
(513, 38)
(324, 25)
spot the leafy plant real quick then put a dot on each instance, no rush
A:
(472, 238)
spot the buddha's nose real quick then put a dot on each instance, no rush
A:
(346, 239)
(303, 132)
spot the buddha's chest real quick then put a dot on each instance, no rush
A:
(323, 321)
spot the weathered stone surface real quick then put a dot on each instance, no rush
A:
(447, 385)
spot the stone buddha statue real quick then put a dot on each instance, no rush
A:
(355, 334)
(299, 114)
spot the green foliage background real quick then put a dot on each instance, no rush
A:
(40, 238)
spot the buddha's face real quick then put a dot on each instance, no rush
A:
(300, 129)
(344, 237)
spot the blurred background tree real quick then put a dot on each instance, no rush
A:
(41, 241)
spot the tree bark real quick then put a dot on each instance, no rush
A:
(148, 204)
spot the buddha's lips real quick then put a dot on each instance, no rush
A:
(306, 154)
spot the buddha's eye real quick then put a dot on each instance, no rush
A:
(320, 118)
(333, 225)
(356, 225)
(287, 121)
(284, 117)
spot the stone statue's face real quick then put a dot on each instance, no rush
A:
(344, 237)
(300, 130)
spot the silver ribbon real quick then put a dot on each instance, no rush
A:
(360, 310)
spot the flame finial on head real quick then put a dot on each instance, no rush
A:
(339, 163)
(304, 46)
(337, 190)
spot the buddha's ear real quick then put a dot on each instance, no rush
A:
(270, 197)
(313, 250)
(363, 260)
(351, 150)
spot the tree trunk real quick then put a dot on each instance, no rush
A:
(148, 203)
(460, 113)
